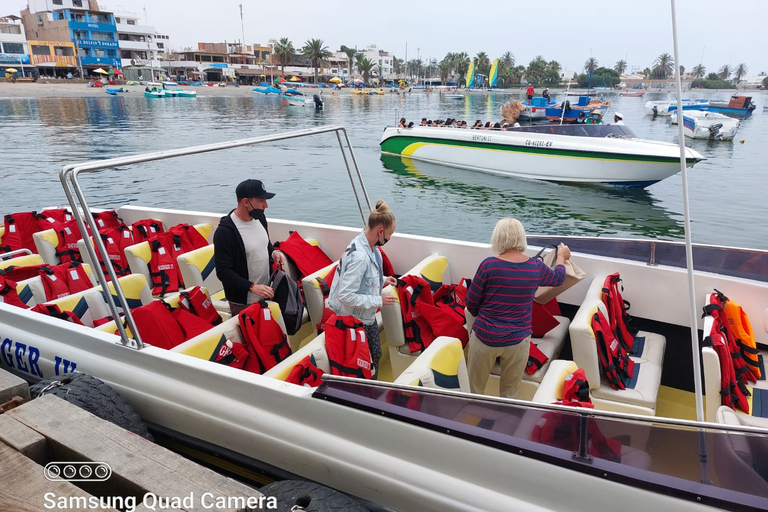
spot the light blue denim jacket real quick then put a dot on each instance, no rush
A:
(357, 285)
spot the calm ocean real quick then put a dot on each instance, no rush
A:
(728, 191)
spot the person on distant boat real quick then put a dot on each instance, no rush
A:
(655, 111)
(530, 92)
(487, 126)
(410, 125)
(146, 89)
(244, 254)
(594, 117)
(497, 126)
(582, 118)
(359, 280)
(423, 121)
(516, 125)
(545, 94)
(618, 118)
(502, 329)
(402, 123)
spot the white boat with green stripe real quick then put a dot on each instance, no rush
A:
(597, 154)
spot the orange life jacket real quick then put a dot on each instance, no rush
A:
(716, 307)
(745, 339)
(347, 347)
(22, 273)
(265, 340)
(731, 393)
(306, 373)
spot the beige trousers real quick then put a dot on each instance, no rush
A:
(513, 360)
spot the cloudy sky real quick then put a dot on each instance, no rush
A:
(714, 32)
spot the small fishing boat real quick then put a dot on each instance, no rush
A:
(154, 93)
(632, 94)
(569, 112)
(739, 106)
(296, 98)
(537, 108)
(170, 92)
(185, 94)
(113, 91)
(454, 96)
(576, 93)
(267, 90)
(575, 153)
(700, 124)
(666, 107)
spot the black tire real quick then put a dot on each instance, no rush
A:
(93, 395)
(310, 497)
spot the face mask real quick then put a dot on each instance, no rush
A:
(255, 213)
(382, 243)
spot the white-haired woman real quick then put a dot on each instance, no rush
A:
(501, 297)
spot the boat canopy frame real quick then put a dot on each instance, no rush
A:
(69, 177)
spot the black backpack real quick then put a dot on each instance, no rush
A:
(288, 297)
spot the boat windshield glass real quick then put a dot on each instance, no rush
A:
(579, 130)
(648, 454)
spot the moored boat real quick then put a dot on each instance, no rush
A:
(267, 90)
(635, 94)
(185, 93)
(537, 108)
(699, 124)
(737, 106)
(171, 92)
(154, 93)
(577, 153)
(569, 112)
(666, 107)
(114, 90)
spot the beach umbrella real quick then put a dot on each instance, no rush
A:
(11, 70)
(335, 80)
(99, 70)
(295, 79)
(118, 72)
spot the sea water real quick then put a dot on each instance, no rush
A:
(728, 191)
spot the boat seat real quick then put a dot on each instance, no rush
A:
(434, 269)
(313, 294)
(46, 243)
(737, 457)
(88, 305)
(648, 345)
(21, 261)
(139, 255)
(31, 291)
(315, 348)
(441, 366)
(642, 392)
(198, 268)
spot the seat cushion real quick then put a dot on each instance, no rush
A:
(551, 345)
(642, 390)
(649, 346)
(440, 366)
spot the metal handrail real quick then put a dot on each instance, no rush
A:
(13, 254)
(74, 192)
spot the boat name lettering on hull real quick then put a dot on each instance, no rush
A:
(539, 143)
(20, 356)
(481, 138)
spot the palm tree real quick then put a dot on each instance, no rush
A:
(365, 65)
(741, 71)
(316, 52)
(663, 66)
(699, 71)
(591, 65)
(284, 51)
(620, 66)
(682, 70)
(482, 63)
(461, 64)
(445, 67)
(508, 59)
(398, 65)
(351, 52)
(725, 72)
(554, 66)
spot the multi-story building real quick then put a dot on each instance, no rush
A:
(143, 52)
(14, 51)
(53, 58)
(385, 61)
(81, 22)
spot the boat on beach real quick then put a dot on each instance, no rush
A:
(113, 90)
(267, 90)
(574, 153)
(699, 124)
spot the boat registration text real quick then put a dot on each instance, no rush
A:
(539, 143)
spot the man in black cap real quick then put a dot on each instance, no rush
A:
(243, 251)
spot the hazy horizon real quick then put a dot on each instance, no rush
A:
(710, 32)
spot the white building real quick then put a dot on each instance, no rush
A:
(384, 61)
(142, 50)
(14, 50)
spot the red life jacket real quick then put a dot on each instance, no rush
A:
(716, 308)
(347, 347)
(107, 219)
(325, 287)
(64, 279)
(620, 321)
(198, 303)
(190, 237)
(234, 356)
(8, 293)
(563, 431)
(60, 215)
(731, 392)
(22, 273)
(615, 362)
(451, 298)
(145, 229)
(307, 257)
(192, 324)
(54, 311)
(115, 241)
(576, 390)
(386, 266)
(157, 326)
(163, 269)
(19, 228)
(265, 340)
(305, 373)
(67, 249)
(536, 359)
(422, 320)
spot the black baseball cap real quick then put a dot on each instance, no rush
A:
(252, 188)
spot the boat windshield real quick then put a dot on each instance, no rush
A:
(653, 455)
(579, 130)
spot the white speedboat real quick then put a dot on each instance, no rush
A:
(598, 154)
(666, 107)
(699, 124)
(412, 447)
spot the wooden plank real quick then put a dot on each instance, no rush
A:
(138, 465)
(25, 489)
(23, 439)
(11, 385)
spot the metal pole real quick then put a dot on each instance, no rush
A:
(79, 59)
(689, 254)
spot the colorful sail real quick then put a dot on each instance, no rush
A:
(471, 74)
(493, 76)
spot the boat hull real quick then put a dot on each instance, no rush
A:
(708, 125)
(603, 161)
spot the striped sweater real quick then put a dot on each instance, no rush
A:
(501, 297)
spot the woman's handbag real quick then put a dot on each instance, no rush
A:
(573, 274)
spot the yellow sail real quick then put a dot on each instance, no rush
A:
(471, 74)
(493, 76)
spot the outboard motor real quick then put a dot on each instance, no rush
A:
(714, 131)
(318, 102)
(655, 110)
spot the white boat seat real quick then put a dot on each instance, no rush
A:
(736, 457)
(441, 366)
(32, 292)
(88, 305)
(434, 269)
(641, 394)
(198, 268)
(313, 294)
(315, 348)
(21, 261)
(46, 243)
